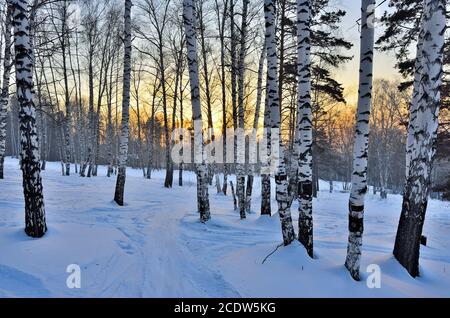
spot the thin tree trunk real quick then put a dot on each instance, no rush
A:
(208, 97)
(360, 155)
(151, 132)
(68, 118)
(233, 69)
(91, 116)
(266, 187)
(137, 84)
(168, 182)
(222, 24)
(81, 123)
(181, 167)
(250, 178)
(178, 79)
(104, 66)
(121, 177)
(234, 196)
(4, 98)
(202, 170)
(60, 120)
(109, 125)
(282, 50)
(241, 112)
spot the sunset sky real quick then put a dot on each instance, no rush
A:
(384, 64)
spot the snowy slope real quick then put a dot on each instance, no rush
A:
(155, 246)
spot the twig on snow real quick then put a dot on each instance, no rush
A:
(268, 256)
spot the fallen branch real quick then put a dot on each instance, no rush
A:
(268, 256)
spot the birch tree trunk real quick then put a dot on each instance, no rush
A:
(274, 103)
(123, 155)
(416, 96)
(305, 129)
(68, 119)
(266, 188)
(104, 66)
(4, 98)
(423, 148)
(151, 130)
(91, 115)
(233, 53)
(208, 94)
(222, 25)
(360, 154)
(190, 24)
(109, 125)
(182, 89)
(250, 177)
(35, 223)
(241, 113)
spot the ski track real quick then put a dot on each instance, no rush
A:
(155, 245)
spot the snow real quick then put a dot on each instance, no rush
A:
(156, 247)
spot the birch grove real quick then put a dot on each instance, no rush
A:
(231, 99)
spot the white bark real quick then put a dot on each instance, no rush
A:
(360, 155)
(422, 150)
(249, 192)
(240, 168)
(4, 98)
(35, 223)
(415, 99)
(124, 137)
(305, 133)
(202, 169)
(274, 104)
(266, 188)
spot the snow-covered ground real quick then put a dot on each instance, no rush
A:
(156, 247)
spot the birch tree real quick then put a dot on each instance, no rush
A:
(124, 138)
(423, 148)
(63, 36)
(418, 67)
(202, 169)
(221, 22)
(266, 187)
(4, 98)
(240, 169)
(360, 152)
(35, 223)
(91, 32)
(250, 177)
(273, 98)
(305, 129)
